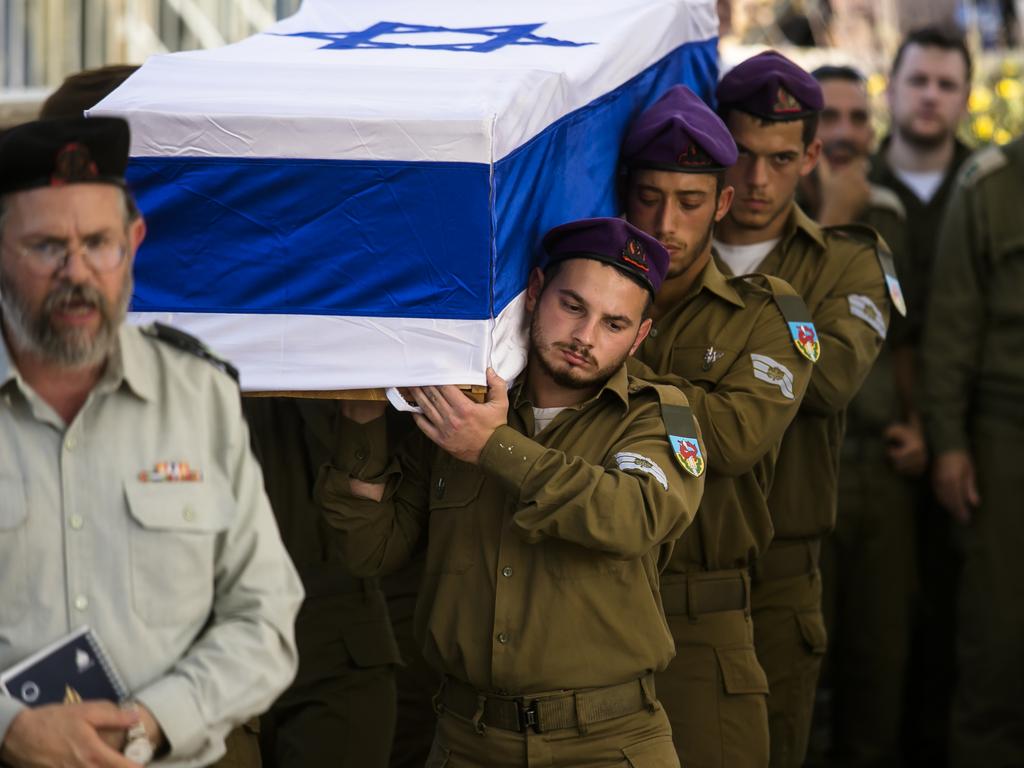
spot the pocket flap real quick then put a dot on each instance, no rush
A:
(455, 486)
(13, 507)
(742, 673)
(657, 752)
(812, 627)
(184, 507)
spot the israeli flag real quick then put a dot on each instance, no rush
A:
(355, 197)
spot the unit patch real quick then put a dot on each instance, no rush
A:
(863, 307)
(682, 435)
(892, 282)
(801, 327)
(774, 372)
(628, 461)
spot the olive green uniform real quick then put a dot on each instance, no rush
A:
(341, 708)
(974, 401)
(840, 279)
(730, 348)
(541, 573)
(867, 564)
(931, 666)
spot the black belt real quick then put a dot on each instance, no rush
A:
(692, 594)
(545, 713)
(787, 559)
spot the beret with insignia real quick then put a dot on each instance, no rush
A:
(52, 153)
(679, 132)
(612, 241)
(771, 87)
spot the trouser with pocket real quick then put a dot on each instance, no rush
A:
(714, 690)
(790, 640)
(617, 726)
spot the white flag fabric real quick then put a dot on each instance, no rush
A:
(354, 198)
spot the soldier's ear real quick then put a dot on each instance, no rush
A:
(811, 156)
(724, 202)
(136, 233)
(641, 334)
(534, 288)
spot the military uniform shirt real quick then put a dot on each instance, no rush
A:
(185, 582)
(541, 569)
(842, 284)
(974, 344)
(733, 357)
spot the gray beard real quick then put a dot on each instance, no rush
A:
(36, 336)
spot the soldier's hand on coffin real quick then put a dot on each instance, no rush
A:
(458, 424)
(363, 411)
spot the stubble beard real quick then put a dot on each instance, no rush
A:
(539, 348)
(923, 141)
(36, 335)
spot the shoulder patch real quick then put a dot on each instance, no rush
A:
(682, 436)
(863, 307)
(886, 199)
(981, 164)
(869, 236)
(801, 327)
(188, 343)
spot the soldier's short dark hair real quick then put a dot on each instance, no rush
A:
(838, 72)
(935, 36)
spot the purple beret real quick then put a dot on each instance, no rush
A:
(771, 87)
(679, 132)
(613, 241)
(51, 153)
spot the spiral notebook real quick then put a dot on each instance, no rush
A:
(72, 669)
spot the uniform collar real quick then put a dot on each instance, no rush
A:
(714, 280)
(799, 224)
(128, 364)
(617, 386)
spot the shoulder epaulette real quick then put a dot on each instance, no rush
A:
(886, 200)
(768, 283)
(981, 164)
(869, 236)
(188, 343)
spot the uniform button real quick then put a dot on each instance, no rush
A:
(360, 454)
(502, 637)
(654, 332)
(440, 487)
(506, 571)
(81, 602)
(77, 522)
(189, 514)
(70, 443)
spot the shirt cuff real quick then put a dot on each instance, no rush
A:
(362, 449)
(171, 703)
(509, 456)
(10, 708)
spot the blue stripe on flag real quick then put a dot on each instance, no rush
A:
(382, 238)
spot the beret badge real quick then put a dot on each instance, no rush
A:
(634, 253)
(73, 163)
(785, 103)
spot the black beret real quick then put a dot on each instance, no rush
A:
(51, 153)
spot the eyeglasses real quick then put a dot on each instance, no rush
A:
(46, 257)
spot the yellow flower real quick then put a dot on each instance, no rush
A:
(1009, 88)
(984, 127)
(876, 84)
(1003, 136)
(980, 99)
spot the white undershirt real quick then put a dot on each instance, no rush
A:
(544, 416)
(924, 184)
(744, 259)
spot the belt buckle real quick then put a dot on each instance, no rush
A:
(529, 716)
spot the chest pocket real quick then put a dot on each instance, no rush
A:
(14, 551)
(454, 516)
(703, 365)
(173, 542)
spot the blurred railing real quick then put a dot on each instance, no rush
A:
(43, 41)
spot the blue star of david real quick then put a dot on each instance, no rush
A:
(499, 37)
